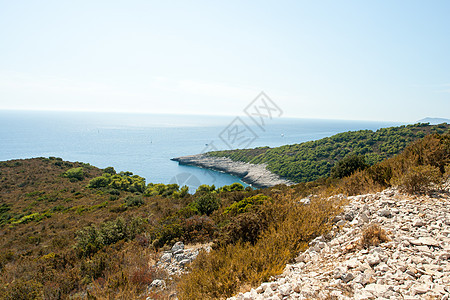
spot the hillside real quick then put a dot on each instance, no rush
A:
(72, 231)
(409, 261)
(69, 229)
(313, 160)
(62, 236)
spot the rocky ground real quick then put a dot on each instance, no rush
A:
(413, 264)
(256, 175)
(172, 262)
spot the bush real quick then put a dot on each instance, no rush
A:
(99, 182)
(109, 170)
(206, 204)
(168, 231)
(123, 181)
(243, 228)
(245, 204)
(182, 193)
(232, 187)
(373, 236)
(204, 188)
(447, 176)
(74, 174)
(134, 201)
(381, 174)
(418, 179)
(198, 229)
(349, 165)
(92, 238)
(166, 190)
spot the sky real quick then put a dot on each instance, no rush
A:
(354, 60)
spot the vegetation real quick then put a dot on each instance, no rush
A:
(349, 165)
(259, 242)
(96, 237)
(373, 236)
(74, 174)
(312, 160)
(124, 181)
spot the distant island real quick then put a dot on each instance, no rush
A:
(434, 121)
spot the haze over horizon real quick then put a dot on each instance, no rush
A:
(384, 61)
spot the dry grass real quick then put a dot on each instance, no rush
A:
(225, 270)
(373, 235)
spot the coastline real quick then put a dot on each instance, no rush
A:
(254, 174)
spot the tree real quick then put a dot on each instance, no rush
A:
(206, 204)
(75, 174)
(349, 165)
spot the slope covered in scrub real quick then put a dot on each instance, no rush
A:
(315, 159)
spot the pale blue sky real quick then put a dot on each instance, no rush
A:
(378, 60)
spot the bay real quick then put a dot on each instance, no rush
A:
(145, 143)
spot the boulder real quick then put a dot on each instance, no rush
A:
(177, 246)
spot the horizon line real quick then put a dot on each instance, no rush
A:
(203, 114)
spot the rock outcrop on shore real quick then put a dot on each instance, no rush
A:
(254, 174)
(414, 264)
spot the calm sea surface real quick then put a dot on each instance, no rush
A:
(145, 143)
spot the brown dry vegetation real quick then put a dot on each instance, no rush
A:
(42, 212)
(61, 239)
(373, 236)
(224, 271)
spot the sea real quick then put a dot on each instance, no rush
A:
(145, 143)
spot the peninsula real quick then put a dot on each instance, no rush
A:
(256, 175)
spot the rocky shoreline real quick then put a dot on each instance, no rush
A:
(413, 264)
(254, 174)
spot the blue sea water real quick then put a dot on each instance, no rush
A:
(145, 143)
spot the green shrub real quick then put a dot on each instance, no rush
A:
(225, 270)
(98, 182)
(349, 165)
(232, 187)
(168, 231)
(123, 181)
(206, 204)
(204, 188)
(381, 174)
(165, 190)
(74, 174)
(109, 170)
(92, 238)
(245, 204)
(32, 217)
(114, 192)
(183, 192)
(132, 201)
